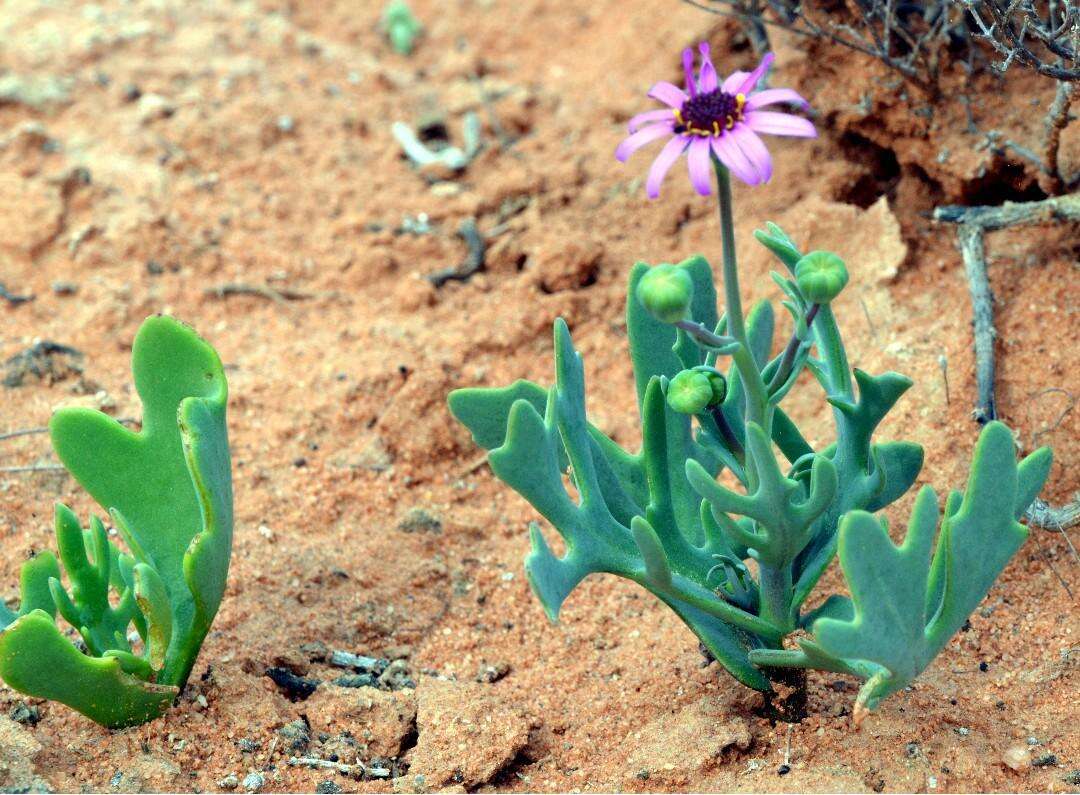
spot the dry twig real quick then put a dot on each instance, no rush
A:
(277, 295)
(473, 262)
(974, 223)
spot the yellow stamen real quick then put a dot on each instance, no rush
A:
(740, 100)
(678, 117)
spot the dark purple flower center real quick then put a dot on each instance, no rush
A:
(709, 114)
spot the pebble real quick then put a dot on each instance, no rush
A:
(253, 782)
(1016, 758)
(327, 787)
(155, 106)
(230, 782)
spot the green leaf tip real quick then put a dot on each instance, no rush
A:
(168, 491)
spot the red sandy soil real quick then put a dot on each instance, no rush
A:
(151, 153)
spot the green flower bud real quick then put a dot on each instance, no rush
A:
(666, 292)
(690, 392)
(719, 387)
(821, 275)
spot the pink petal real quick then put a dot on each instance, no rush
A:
(668, 93)
(773, 95)
(664, 161)
(688, 70)
(755, 151)
(755, 76)
(640, 138)
(648, 117)
(732, 157)
(698, 157)
(707, 80)
(764, 121)
(733, 81)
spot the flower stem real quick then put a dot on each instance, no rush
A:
(757, 399)
(732, 299)
(730, 439)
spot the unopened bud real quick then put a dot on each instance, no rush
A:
(666, 292)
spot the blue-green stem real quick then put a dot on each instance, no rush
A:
(776, 592)
(757, 400)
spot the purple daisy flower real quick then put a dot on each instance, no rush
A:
(711, 118)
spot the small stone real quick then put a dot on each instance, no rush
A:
(396, 676)
(327, 787)
(1045, 760)
(316, 651)
(295, 688)
(492, 673)
(297, 735)
(247, 746)
(25, 713)
(417, 520)
(253, 782)
(230, 782)
(963, 731)
(65, 288)
(783, 770)
(1072, 777)
(1016, 758)
(155, 106)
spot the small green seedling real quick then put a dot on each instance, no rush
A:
(140, 615)
(738, 558)
(400, 26)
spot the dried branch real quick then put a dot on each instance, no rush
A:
(1057, 118)
(974, 223)
(473, 262)
(1048, 43)
(1043, 514)
(910, 38)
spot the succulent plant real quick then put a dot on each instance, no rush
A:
(168, 492)
(400, 26)
(739, 565)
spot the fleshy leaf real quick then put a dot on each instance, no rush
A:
(37, 660)
(900, 624)
(168, 490)
(34, 592)
(170, 481)
(901, 462)
(595, 537)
